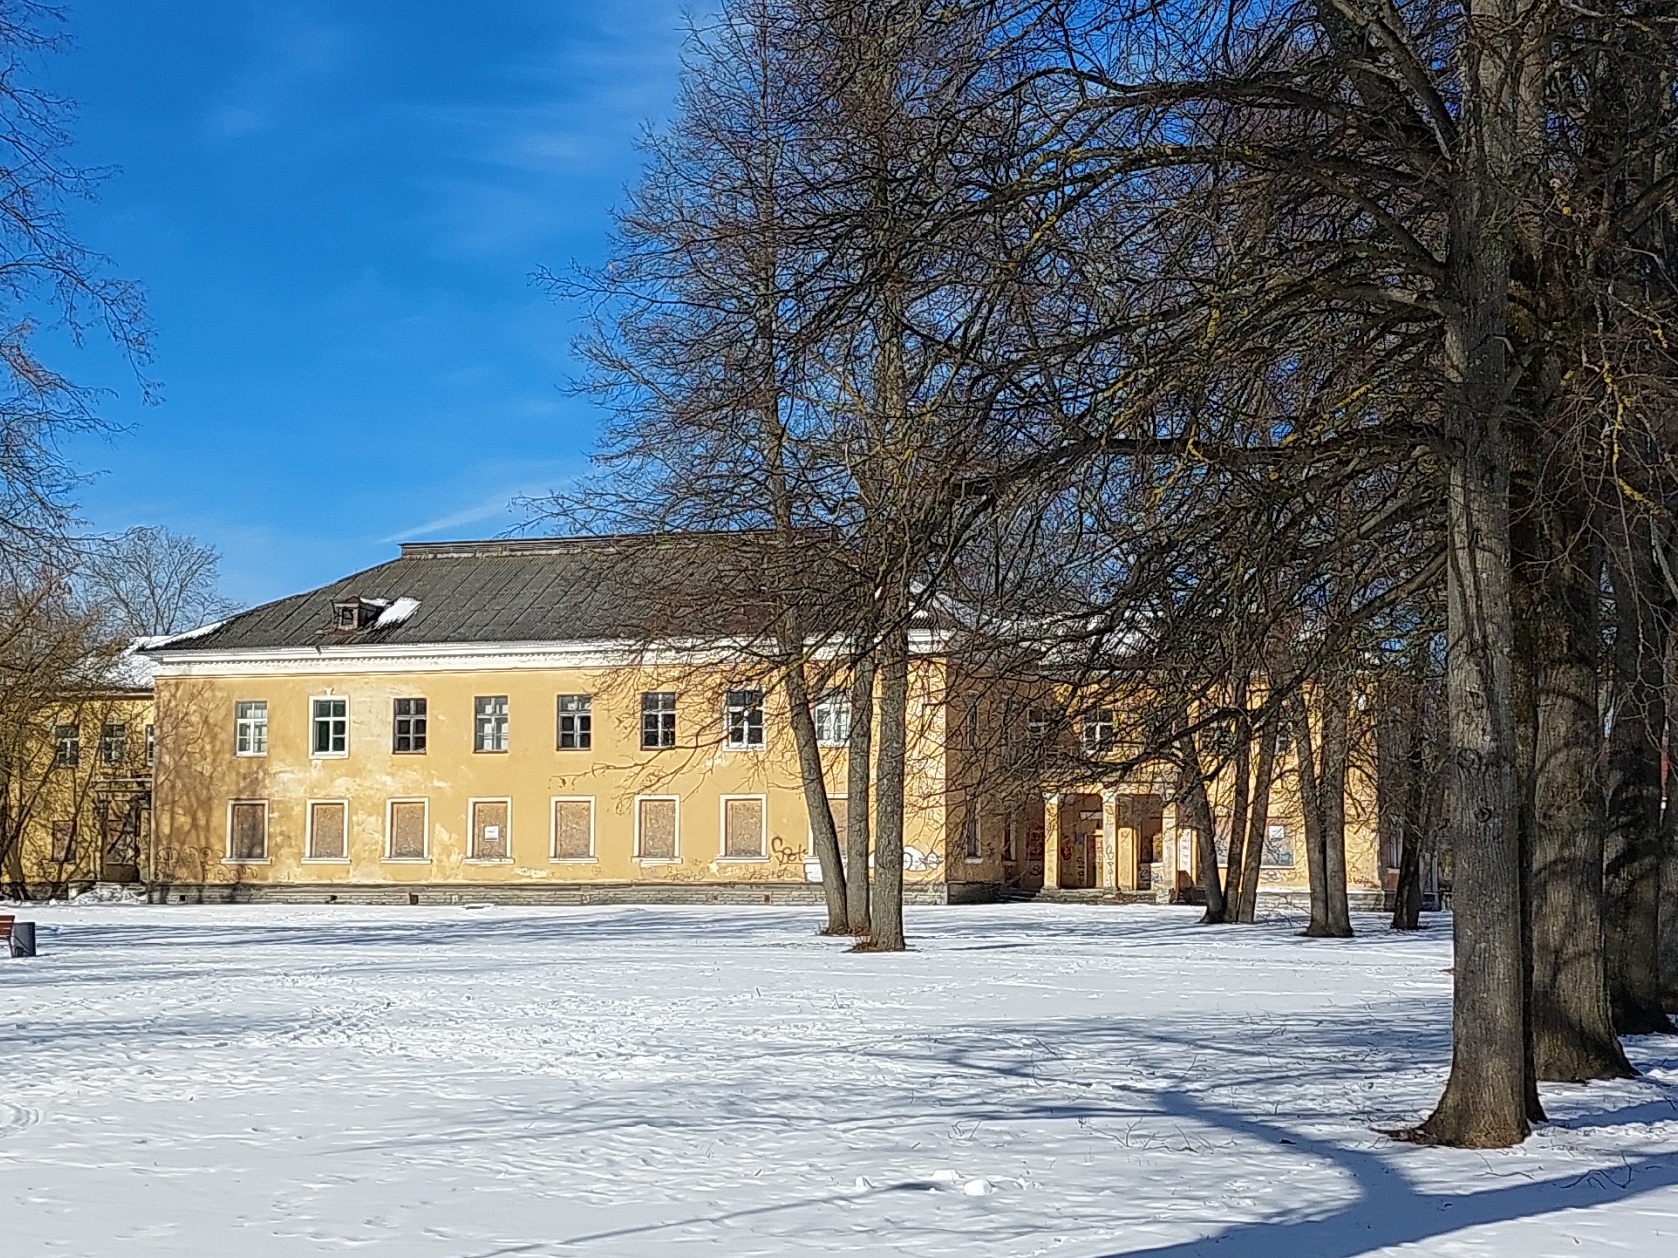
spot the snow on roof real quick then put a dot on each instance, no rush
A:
(154, 641)
(131, 670)
(397, 612)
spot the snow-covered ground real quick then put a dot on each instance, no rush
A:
(1030, 1079)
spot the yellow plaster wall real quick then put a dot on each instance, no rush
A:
(198, 775)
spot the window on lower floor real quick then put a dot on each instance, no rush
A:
(1011, 841)
(655, 828)
(742, 828)
(408, 726)
(970, 849)
(407, 830)
(489, 723)
(328, 830)
(1278, 847)
(573, 830)
(576, 723)
(491, 840)
(64, 841)
(247, 830)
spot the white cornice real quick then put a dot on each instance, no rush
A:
(451, 657)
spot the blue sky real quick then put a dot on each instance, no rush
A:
(335, 208)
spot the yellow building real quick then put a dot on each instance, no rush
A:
(77, 789)
(490, 719)
(580, 720)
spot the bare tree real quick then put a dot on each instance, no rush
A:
(150, 581)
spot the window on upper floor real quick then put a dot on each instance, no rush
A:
(832, 715)
(151, 745)
(658, 718)
(743, 719)
(970, 726)
(408, 725)
(489, 723)
(66, 746)
(1100, 731)
(576, 723)
(113, 744)
(329, 721)
(250, 727)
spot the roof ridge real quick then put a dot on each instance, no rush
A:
(578, 541)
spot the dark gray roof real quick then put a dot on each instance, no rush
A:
(564, 589)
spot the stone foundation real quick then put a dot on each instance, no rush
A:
(543, 893)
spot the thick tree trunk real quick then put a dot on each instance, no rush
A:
(891, 757)
(1634, 838)
(823, 835)
(858, 795)
(1199, 804)
(1572, 1034)
(1669, 867)
(1258, 824)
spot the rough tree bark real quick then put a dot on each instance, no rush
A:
(824, 835)
(1242, 768)
(858, 794)
(1572, 1034)
(1258, 823)
(1199, 804)
(1331, 802)
(886, 907)
(1642, 625)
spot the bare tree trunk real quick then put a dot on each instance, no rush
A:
(823, 834)
(1310, 805)
(1242, 767)
(1486, 1099)
(1258, 824)
(1634, 788)
(858, 794)
(886, 906)
(1331, 803)
(1669, 862)
(1572, 1034)
(1205, 828)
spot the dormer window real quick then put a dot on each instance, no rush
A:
(350, 614)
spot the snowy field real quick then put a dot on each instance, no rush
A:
(1030, 1080)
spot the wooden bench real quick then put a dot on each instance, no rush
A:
(6, 920)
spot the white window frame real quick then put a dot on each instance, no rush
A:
(839, 833)
(838, 705)
(309, 833)
(506, 716)
(661, 713)
(722, 832)
(659, 860)
(729, 708)
(243, 723)
(575, 715)
(553, 830)
(1100, 731)
(313, 719)
(107, 743)
(390, 830)
(267, 857)
(472, 830)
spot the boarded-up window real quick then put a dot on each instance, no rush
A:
(490, 841)
(573, 829)
(407, 830)
(248, 831)
(742, 828)
(63, 841)
(326, 832)
(840, 807)
(655, 829)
